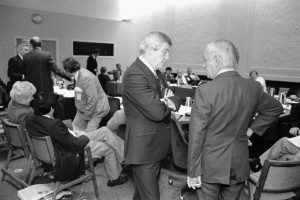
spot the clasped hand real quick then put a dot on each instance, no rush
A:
(194, 182)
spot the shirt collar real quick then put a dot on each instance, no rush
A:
(76, 75)
(20, 56)
(225, 70)
(147, 64)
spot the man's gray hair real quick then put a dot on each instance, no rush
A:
(20, 46)
(154, 40)
(22, 92)
(228, 52)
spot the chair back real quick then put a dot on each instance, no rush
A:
(15, 136)
(41, 149)
(115, 105)
(278, 177)
(179, 144)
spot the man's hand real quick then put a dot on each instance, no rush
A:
(249, 132)
(295, 131)
(194, 182)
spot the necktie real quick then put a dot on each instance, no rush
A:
(161, 85)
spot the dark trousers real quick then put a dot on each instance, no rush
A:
(212, 191)
(146, 179)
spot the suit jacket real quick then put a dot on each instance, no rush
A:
(91, 64)
(147, 136)
(93, 102)
(103, 78)
(38, 65)
(17, 112)
(69, 164)
(15, 71)
(221, 114)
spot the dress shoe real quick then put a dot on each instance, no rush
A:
(255, 165)
(119, 181)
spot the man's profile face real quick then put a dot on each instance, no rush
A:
(159, 56)
(24, 50)
(189, 70)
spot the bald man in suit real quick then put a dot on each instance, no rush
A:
(221, 122)
(38, 66)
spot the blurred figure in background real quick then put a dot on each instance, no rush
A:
(169, 77)
(16, 71)
(92, 64)
(103, 78)
(117, 73)
(180, 78)
(191, 78)
(254, 76)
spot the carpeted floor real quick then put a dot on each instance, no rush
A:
(8, 191)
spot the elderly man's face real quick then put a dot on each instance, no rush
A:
(210, 64)
(159, 56)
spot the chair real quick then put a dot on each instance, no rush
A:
(3, 141)
(115, 105)
(277, 180)
(42, 151)
(17, 143)
(179, 148)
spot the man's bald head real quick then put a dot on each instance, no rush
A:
(35, 42)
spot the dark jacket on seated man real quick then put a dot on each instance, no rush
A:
(69, 150)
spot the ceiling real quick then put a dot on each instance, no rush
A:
(103, 9)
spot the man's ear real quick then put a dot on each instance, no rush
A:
(218, 60)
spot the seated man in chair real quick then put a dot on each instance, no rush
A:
(283, 149)
(41, 123)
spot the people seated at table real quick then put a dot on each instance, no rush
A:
(254, 76)
(19, 106)
(283, 149)
(180, 79)
(103, 78)
(117, 73)
(191, 78)
(90, 99)
(103, 142)
(169, 77)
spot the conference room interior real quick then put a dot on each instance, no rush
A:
(265, 32)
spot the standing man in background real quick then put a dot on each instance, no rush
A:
(90, 99)
(38, 65)
(147, 136)
(92, 64)
(16, 71)
(221, 123)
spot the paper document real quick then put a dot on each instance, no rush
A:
(295, 141)
(184, 109)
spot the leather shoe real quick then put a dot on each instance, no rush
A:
(255, 165)
(119, 181)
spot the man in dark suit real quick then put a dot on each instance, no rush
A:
(92, 64)
(16, 71)
(69, 150)
(147, 136)
(221, 123)
(38, 65)
(103, 78)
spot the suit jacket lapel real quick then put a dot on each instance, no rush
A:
(154, 82)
